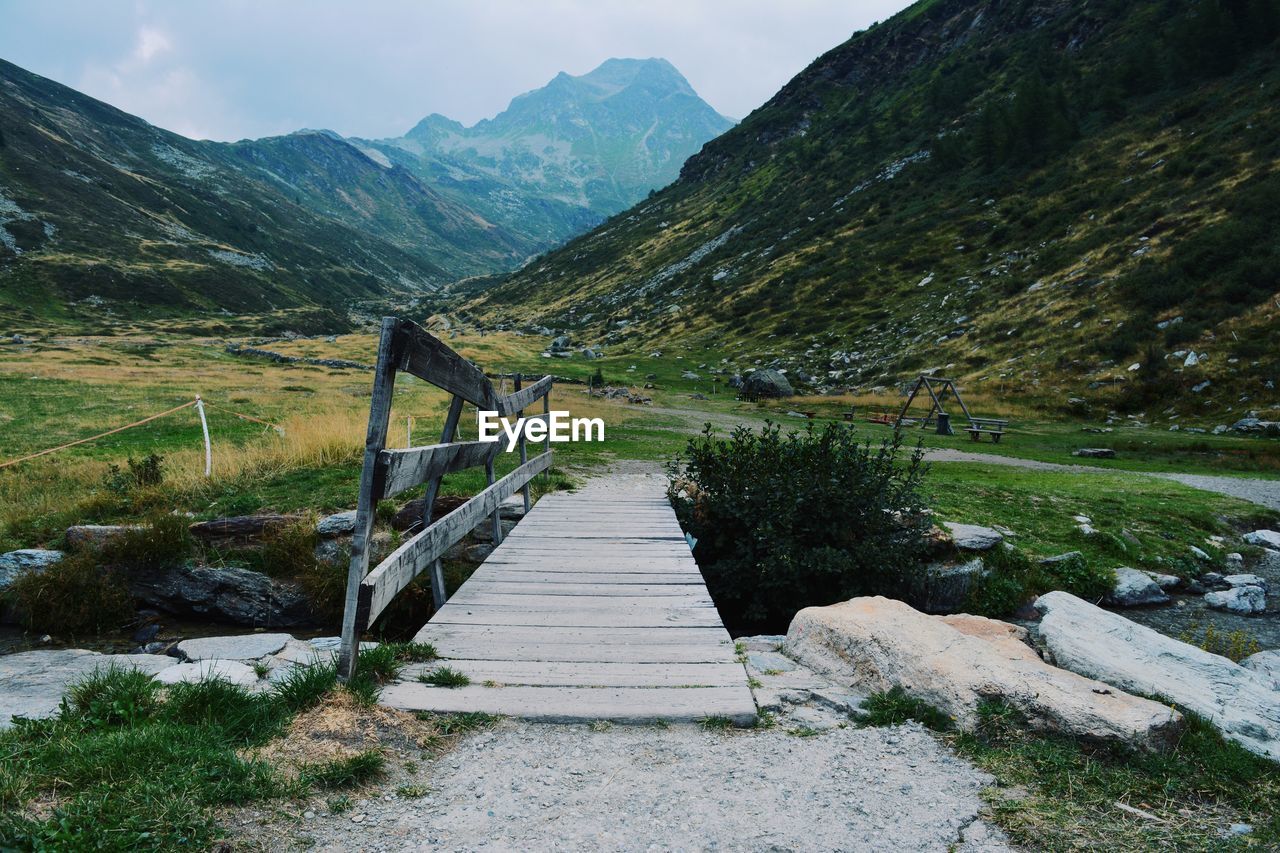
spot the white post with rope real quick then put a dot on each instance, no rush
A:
(204, 426)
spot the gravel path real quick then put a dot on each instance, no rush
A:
(1262, 492)
(524, 786)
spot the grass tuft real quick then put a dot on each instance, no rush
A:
(894, 707)
(345, 772)
(444, 676)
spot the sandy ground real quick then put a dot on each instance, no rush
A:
(524, 786)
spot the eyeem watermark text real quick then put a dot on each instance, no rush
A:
(557, 426)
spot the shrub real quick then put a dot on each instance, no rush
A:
(810, 518)
(148, 471)
(1237, 645)
(163, 541)
(73, 596)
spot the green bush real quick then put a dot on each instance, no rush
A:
(809, 518)
(74, 596)
(148, 471)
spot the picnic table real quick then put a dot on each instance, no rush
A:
(993, 427)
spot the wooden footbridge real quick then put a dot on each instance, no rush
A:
(592, 608)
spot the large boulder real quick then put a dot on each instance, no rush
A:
(1134, 588)
(32, 683)
(227, 593)
(1098, 644)
(24, 560)
(956, 662)
(767, 383)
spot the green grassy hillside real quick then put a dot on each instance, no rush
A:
(1033, 196)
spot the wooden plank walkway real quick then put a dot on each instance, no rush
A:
(591, 609)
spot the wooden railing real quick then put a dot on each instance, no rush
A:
(406, 347)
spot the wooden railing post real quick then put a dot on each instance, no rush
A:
(438, 592)
(384, 379)
(524, 451)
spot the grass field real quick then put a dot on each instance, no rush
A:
(59, 390)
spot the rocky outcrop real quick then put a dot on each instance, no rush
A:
(1134, 589)
(227, 593)
(1097, 644)
(955, 663)
(945, 587)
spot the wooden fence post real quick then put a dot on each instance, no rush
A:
(438, 592)
(384, 379)
(524, 451)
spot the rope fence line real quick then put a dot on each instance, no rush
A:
(198, 401)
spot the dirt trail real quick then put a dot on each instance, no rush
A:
(525, 786)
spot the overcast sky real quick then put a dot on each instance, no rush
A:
(232, 69)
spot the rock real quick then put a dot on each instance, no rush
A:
(240, 529)
(1245, 600)
(207, 670)
(1134, 588)
(560, 343)
(25, 560)
(1198, 553)
(1246, 580)
(237, 595)
(483, 532)
(338, 524)
(1235, 560)
(1165, 582)
(689, 374)
(32, 683)
(242, 647)
(973, 537)
(1068, 557)
(334, 553)
(1211, 579)
(1265, 538)
(1095, 453)
(477, 553)
(83, 537)
(1082, 519)
(954, 663)
(1252, 425)
(408, 518)
(1098, 644)
(1266, 664)
(767, 383)
(945, 587)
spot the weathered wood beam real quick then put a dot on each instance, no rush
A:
(405, 563)
(523, 397)
(401, 470)
(429, 359)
